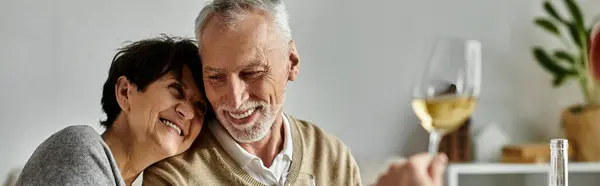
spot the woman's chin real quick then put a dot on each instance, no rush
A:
(169, 144)
(170, 148)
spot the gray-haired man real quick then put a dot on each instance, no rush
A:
(248, 58)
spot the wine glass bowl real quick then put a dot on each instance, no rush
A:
(445, 95)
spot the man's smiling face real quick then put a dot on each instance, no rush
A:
(247, 66)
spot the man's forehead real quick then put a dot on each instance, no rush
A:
(250, 40)
(235, 62)
(251, 29)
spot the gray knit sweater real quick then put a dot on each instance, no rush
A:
(76, 155)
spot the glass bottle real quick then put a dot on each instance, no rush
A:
(559, 160)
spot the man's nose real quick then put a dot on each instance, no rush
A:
(236, 92)
(185, 110)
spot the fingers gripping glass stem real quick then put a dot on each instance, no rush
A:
(434, 143)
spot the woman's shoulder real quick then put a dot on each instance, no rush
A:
(76, 139)
(75, 154)
(72, 140)
(76, 135)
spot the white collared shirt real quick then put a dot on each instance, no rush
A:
(252, 164)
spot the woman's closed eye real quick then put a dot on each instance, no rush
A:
(177, 90)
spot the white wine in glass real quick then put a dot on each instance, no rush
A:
(444, 113)
(445, 96)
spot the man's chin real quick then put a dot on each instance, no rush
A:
(248, 138)
(248, 133)
(255, 128)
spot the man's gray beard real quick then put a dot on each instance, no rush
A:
(255, 131)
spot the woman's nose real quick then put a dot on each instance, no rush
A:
(185, 110)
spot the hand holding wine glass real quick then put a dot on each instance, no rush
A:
(418, 170)
(446, 94)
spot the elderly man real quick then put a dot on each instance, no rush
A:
(249, 57)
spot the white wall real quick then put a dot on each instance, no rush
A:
(358, 59)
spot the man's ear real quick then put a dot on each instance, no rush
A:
(123, 89)
(294, 59)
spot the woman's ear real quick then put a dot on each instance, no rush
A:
(294, 60)
(123, 89)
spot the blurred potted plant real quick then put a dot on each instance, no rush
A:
(581, 122)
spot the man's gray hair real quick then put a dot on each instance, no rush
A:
(235, 10)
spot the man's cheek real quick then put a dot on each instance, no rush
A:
(267, 91)
(213, 96)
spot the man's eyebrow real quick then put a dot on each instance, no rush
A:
(254, 65)
(212, 69)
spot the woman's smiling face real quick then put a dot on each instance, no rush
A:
(167, 115)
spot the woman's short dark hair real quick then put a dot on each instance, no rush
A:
(143, 62)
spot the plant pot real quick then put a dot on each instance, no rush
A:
(581, 125)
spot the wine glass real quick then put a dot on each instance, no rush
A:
(303, 179)
(445, 95)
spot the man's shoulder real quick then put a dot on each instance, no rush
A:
(325, 155)
(204, 146)
(196, 166)
(313, 134)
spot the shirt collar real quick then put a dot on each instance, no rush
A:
(288, 145)
(239, 154)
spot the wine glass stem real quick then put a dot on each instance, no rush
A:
(434, 143)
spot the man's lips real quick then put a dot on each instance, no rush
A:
(241, 116)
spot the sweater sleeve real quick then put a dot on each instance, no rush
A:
(157, 175)
(353, 170)
(347, 164)
(72, 156)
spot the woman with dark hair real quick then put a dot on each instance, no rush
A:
(155, 107)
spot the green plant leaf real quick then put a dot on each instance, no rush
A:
(588, 34)
(552, 12)
(582, 59)
(549, 64)
(574, 34)
(565, 56)
(547, 25)
(575, 13)
(559, 80)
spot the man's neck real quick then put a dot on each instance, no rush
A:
(269, 146)
(131, 158)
